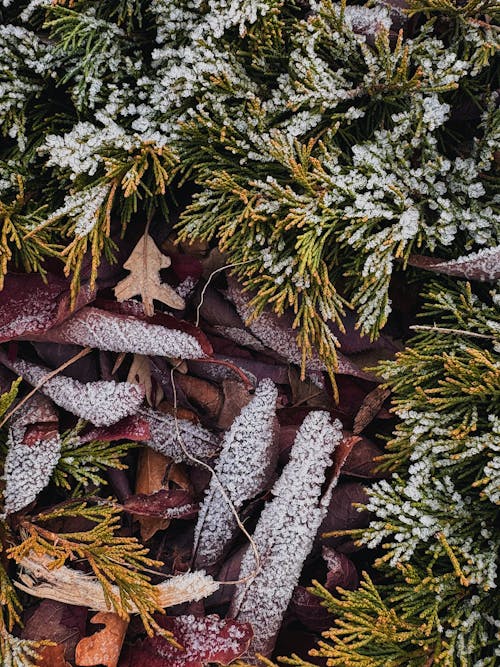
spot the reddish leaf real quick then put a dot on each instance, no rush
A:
(371, 406)
(482, 265)
(58, 622)
(185, 266)
(165, 503)
(341, 571)
(309, 610)
(133, 428)
(361, 460)
(342, 515)
(30, 306)
(204, 640)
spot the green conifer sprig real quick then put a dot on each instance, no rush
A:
(113, 559)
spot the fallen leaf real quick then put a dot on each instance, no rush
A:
(204, 640)
(104, 646)
(166, 503)
(201, 393)
(370, 407)
(60, 623)
(144, 264)
(341, 570)
(361, 461)
(236, 396)
(342, 514)
(151, 469)
(29, 305)
(140, 373)
(483, 265)
(133, 427)
(52, 656)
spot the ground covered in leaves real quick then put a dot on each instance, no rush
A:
(134, 408)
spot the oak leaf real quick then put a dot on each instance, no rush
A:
(144, 264)
(104, 646)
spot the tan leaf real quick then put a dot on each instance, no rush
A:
(236, 396)
(202, 393)
(104, 646)
(151, 470)
(140, 373)
(52, 656)
(144, 265)
(370, 407)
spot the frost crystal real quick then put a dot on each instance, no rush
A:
(197, 441)
(28, 467)
(285, 532)
(243, 467)
(102, 403)
(123, 333)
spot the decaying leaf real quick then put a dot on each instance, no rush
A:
(247, 458)
(102, 403)
(144, 264)
(34, 447)
(202, 394)
(151, 469)
(104, 646)
(74, 587)
(204, 640)
(370, 407)
(483, 265)
(285, 532)
(140, 373)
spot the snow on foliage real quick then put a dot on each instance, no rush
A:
(197, 441)
(102, 403)
(29, 465)
(285, 532)
(247, 457)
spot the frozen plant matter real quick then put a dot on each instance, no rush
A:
(243, 467)
(285, 532)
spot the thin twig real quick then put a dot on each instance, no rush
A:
(458, 332)
(205, 286)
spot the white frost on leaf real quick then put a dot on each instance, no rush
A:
(124, 333)
(197, 441)
(29, 466)
(285, 532)
(247, 457)
(102, 403)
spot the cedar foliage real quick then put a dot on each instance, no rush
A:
(325, 143)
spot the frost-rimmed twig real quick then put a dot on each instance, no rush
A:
(102, 403)
(286, 530)
(74, 587)
(247, 457)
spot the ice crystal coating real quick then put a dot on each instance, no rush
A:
(285, 531)
(28, 467)
(106, 331)
(243, 467)
(102, 403)
(195, 441)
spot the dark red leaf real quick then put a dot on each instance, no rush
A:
(185, 266)
(341, 571)
(204, 640)
(483, 265)
(308, 610)
(28, 306)
(133, 428)
(361, 460)
(165, 503)
(342, 515)
(58, 622)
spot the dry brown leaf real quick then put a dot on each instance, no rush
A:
(140, 373)
(202, 393)
(151, 470)
(104, 646)
(236, 396)
(144, 264)
(52, 656)
(370, 407)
